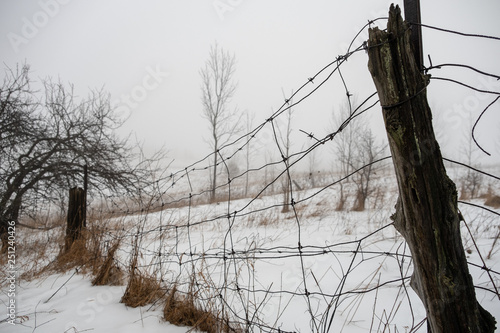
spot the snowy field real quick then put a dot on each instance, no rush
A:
(312, 269)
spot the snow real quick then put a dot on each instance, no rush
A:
(79, 307)
(350, 264)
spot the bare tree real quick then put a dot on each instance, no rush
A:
(217, 91)
(367, 152)
(344, 146)
(45, 140)
(355, 148)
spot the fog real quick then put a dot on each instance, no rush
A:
(148, 55)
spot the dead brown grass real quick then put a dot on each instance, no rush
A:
(85, 252)
(267, 219)
(493, 201)
(141, 290)
(89, 255)
(76, 256)
(109, 272)
(182, 311)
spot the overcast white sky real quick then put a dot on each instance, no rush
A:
(159, 46)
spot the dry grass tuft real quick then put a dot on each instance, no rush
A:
(76, 256)
(182, 311)
(493, 201)
(86, 254)
(141, 290)
(109, 273)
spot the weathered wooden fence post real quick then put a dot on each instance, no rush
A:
(426, 212)
(75, 218)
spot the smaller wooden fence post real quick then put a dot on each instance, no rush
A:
(75, 219)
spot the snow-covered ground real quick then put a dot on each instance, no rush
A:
(69, 303)
(311, 269)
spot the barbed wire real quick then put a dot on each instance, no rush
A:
(168, 227)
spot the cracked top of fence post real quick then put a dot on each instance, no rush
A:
(384, 48)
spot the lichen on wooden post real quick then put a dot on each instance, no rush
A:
(426, 210)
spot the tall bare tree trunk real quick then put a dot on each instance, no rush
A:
(426, 212)
(217, 91)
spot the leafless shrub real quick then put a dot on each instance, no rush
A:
(470, 185)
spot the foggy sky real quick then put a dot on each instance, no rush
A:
(147, 55)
